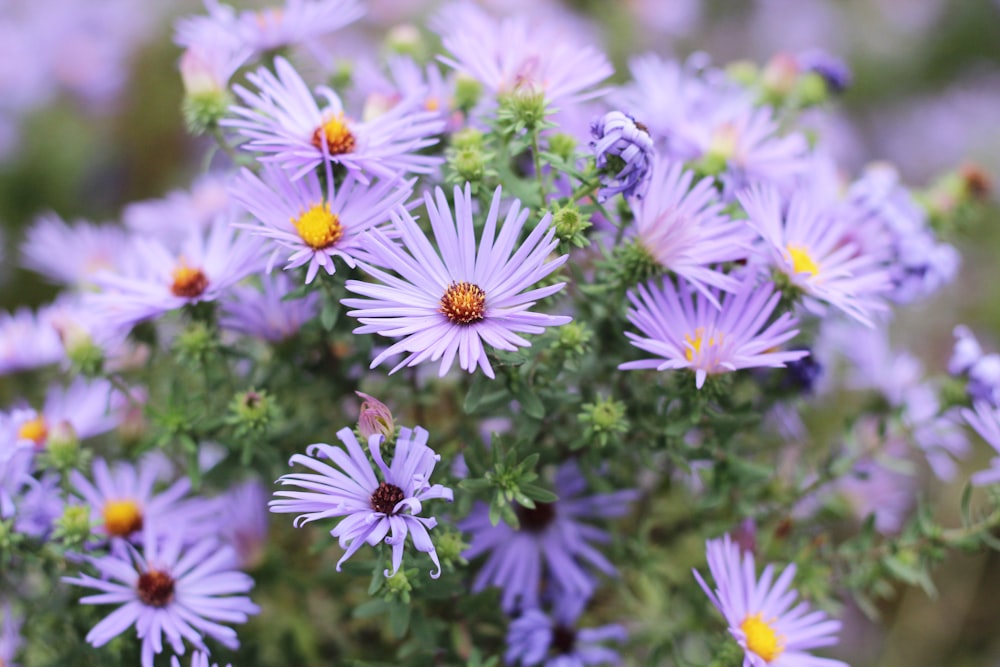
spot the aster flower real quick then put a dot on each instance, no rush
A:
(624, 147)
(95, 248)
(760, 614)
(516, 54)
(537, 638)
(40, 504)
(158, 280)
(807, 243)
(123, 502)
(82, 410)
(682, 227)
(373, 510)
(448, 302)
(308, 226)
(686, 330)
(265, 312)
(175, 217)
(243, 521)
(168, 590)
(551, 547)
(283, 120)
(27, 341)
(986, 420)
(406, 78)
(16, 462)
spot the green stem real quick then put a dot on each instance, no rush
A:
(536, 155)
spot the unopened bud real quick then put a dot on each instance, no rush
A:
(375, 418)
(563, 145)
(62, 450)
(252, 410)
(73, 526)
(406, 40)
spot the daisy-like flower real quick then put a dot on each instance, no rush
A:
(682, 227)
(28, 340)
(686, 330)
(373, 510)
(807, 243)
(986, 420)
(95, 248)
(551, 547)
(265, 312)
(83, 409)
(167, 590)
(516, 54)
(308, 226)
(537, 638)
(158, 280)
(284, 120)
(123, 502)
(39, 506)
(761, 618)
(16, 462)
(243, 521)
(448, 302)
(624, 147)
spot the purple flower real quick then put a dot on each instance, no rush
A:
(983, 370)
(760, 614)
(265, 312)
(832, 69)
(27, 340)
(683, 228)
(808, 244)
(537, 638)
(308, 226)
(85, 408)
(551, 546)
(283, 120)
(95, 248)
(518, 55)
(198, 659)
(242, 521)
(39, 506)
(986, 421)
(686, 330)
(447, 302)
(625, 147)
(16, 462)
(169, 590)
(372, 510)
(10, 635)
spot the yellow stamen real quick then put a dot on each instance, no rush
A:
(35, 430)
(318, 227)
(464, 303)
(336, 134)
(265, 18)
(698, 340)
(188, 282)
(432, 104)
(761, 637)
(122, 517)
(802, 261)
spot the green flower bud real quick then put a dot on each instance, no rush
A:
(634, 264)
(203, 112)
(744, 72)
(469, 164)
(73, 527)
(196, 344)
(62, 449)
(812, 90)
(468, 138)
(523, 109)
(406, 40)
(342, 75)
(563, 145)
(399, 586)
(252, 411)
(574, 338)
(450, 546)
(570, 224)
(602, 420)
(467, 92)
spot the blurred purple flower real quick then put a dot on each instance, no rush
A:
(986, 420)
(95, 248)
(624, 147)
(552, 640)
(265, 312)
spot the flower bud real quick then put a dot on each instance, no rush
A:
(73, 526)
(406, 40)
(252, 411)
(467, 92)
(375, 418)
(62, 449)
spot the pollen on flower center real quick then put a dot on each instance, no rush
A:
(337, 135)
(122, 517)
(188, 282)
(385, 498)
(761, 637)
(802, 261)
(156, 588)
(698, 341)
(35, 430)
(535, 520)
(318, 227)
(464, 303)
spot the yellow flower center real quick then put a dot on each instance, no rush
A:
(318, 227)
(336, 134)
(35, 430)
(802, 261)
(464, 303)
(761, 637)
(432, 104)
(265, 18)
(122, 517)
(698, 340)
(188, 282)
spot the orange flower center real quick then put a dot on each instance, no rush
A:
(318, 227)
(464, 303)
(761, 637)
(122, 517)
(35, 430)
(188, 282)
(336, 134)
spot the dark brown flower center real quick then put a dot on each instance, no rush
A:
(156, 588)
(188, 282)
(563, 639)
(976, 180)
(464, 303)
(385, 498)
(538, 519)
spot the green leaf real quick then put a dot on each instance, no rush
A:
(966, 504)
(399, 619)
(538, 494)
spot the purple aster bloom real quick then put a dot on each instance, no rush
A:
(16, 463)
(808, 244)
(967, 351)
(448, 302)
(682, 227)
(622, 144)
(284, 120)
(834, 70)
(552, 546)
(10, 635)
(243, 521)
(265, 312)
(173, 218)
(84, 409)
(158, 280)
(39, 506)
(986, 421)
(27, 341)
(123, 502)
(168, 590)
(536, 638)
(373, 511)
(982, 370)
(939, 435)
(95, 248)
(198, 659)
(686, 330)
(406, 78)
(517, 54)
(761, 618)
(308, 226)
(209, 62)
